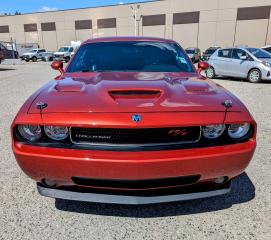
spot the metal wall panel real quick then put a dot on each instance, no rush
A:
(107, 23)
(83, 24)
(154, 20)
(4, 29)
(251, 13)
(49, 26)
(186, 17)
(32, 27)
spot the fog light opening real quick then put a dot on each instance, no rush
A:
(49, 183)
(220, 180)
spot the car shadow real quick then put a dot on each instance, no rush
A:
(242, 191)
(240, 80)
(7, 69)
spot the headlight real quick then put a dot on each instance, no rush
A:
(30, 132)
(267, 64)
(238, 130)
(56, 133)
(213, 131)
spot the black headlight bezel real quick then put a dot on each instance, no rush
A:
(43, 139)
(223, 140)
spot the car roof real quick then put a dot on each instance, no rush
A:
(244, 48)
(129, 39)
(214, 47)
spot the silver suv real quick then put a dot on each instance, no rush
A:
(34, 55)
(253, 64)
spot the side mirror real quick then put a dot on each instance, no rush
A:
(243, 57)
(58, 65)
(202, 66)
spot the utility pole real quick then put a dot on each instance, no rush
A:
(135, 11)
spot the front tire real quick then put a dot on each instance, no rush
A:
(210, 73)
(67, 59)
(254, 76)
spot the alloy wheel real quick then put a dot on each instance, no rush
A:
(254, 76)
(210, 73)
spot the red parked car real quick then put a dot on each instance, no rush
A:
(131, 121)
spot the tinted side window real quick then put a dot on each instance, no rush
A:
(71, 50)
(224, 53)
(238, 53)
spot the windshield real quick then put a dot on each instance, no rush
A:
(63, 49)
(190, 51)
(33, 50)
(210, 50)
(259, 53)
(130, 57)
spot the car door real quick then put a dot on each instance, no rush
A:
(40, 53)
(239, 67)
(222, 61)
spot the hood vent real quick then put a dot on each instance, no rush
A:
(135, 94)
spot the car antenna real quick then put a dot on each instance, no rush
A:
(41, 106)
(227, 104)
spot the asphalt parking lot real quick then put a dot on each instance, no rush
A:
(245, 213)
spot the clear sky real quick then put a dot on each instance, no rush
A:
(28, 6)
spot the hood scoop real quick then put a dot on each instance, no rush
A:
(70, 86)
(135, 94)
(198, 88)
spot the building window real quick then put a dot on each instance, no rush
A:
(4, 29)
(83, 24)
(186, 17)
(252, 13)
(107, 23)
(50, 26)
(154, 20)
(30, 27)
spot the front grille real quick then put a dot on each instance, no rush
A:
(136, 184)
(138, 136)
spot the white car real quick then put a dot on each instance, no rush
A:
(249, 63)
(34, 55)
(64, 53)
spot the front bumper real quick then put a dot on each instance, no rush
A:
(59, 58)
(26, 57)
(62, 164)
(266, 75)
(174, 196)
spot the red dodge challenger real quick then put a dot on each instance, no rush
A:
(131, 121)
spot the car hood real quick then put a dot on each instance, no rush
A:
(59, 53)
(265, 60)
(132, 92)
(28, 54)
(191, 55)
